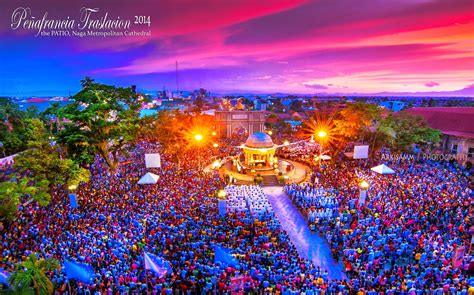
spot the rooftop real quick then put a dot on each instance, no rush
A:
(456, 121)
(259, 140)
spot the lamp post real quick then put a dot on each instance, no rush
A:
(198, 138)
(221, 203)
(322, 136)
(73, 196)
(363, 186)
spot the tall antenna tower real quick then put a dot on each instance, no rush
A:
(177, 83)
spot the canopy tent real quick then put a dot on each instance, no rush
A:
(382, 169)
(325, 157)
(149, 178)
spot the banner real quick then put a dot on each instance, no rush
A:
(78, 271)
(458, 256)
(222, 206)
(223, 256)
(362, 197)
(73, 201)
(152, 160)
(361, 152)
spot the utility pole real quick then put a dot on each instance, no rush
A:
(177, 83)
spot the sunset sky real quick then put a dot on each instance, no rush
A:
(291, 46)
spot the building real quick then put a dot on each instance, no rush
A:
(228, 123)
(259, 151)
(457, 126)
(393, 105)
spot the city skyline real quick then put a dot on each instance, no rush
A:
(303, 47)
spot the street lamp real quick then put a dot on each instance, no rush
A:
(72, 196)
(322, 135)
(216, 145)
(198, 138)
(364, 186)
(221, 202)
(221, 194)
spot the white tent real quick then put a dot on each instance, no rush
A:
(149, 178)
(325, 157)
(382, 169)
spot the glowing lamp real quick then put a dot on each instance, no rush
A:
(322, 134)
(198, 137)
(364, 185)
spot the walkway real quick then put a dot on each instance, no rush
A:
(309, 245)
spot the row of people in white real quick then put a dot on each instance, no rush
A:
(247, 197)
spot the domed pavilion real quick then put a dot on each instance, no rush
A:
(259, 150)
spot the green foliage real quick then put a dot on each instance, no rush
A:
(169, 131)
(10, 194)
(32, 274)
(12, 127)
(12, 191)
(408, 130)
(103, 118)
(42, 166)
(355, 119)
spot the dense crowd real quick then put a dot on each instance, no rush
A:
(402, 239)
(176, 219)
(411, 234)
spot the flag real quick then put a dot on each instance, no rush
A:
(157, 264)
(4, 277)
(79, 271)
(222, 255)
(73, 201)
(458, 256)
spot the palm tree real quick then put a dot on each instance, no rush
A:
(31, 274)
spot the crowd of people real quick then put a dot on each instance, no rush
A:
(411, 234)
(403, 238)
(248, 198)
(177, 219)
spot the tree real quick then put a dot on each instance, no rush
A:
(32, 274)
(104, 118)
(12, 191)
(53, 114)
(199, 103)
(9, 200)
(169, 132)
(296, 105)
(43, 167)
(408, 130)
(175, 132)
(354, 119)
(12, 127)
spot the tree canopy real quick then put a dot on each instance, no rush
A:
(102, 119)
(32, 274)
(408, 129)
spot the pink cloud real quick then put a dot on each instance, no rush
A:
(431, 84)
